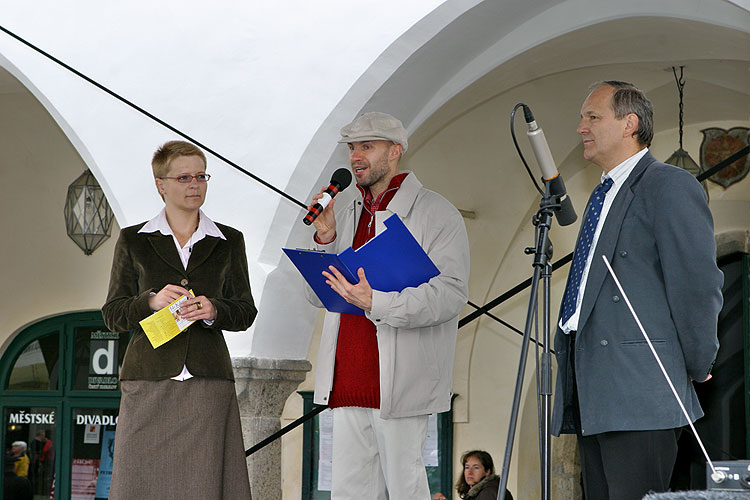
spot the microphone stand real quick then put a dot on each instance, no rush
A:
(542, 270)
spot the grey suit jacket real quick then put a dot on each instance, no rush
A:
(145, 263)
(659, 238)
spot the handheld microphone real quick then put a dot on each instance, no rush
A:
(340, 180)
(566, 215)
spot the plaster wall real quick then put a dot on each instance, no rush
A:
(42, 271)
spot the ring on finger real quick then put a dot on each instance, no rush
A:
(198, 305)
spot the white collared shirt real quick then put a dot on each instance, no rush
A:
(619, 175)
(206, 227)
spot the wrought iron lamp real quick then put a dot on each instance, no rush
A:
(88, 217)
(681, 158)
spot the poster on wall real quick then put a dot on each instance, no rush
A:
(430, 450)
(105, 464)
(325, 450)
(83, 478)
(103, 360)
(91, 435)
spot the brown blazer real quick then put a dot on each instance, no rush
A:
(146, 262)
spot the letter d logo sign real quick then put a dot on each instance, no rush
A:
(103, 357)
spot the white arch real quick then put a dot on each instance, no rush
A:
(416, 76)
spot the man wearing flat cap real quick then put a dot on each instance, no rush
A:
(384, 372)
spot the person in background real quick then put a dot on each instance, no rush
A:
(478, 480)
(14, 487)
(36, 447)
(18, 452)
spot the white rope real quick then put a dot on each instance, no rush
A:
(663, 370)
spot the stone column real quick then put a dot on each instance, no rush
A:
(566, 468)
(263, 386)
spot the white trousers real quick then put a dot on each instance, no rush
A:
(371, 454)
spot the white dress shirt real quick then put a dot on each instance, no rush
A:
(618, 175)
(206, 227)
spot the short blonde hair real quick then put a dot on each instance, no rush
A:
(169, 151)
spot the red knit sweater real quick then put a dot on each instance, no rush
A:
(356, 375)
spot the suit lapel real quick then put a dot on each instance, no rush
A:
(201, 251)
(165, 248)
(608, 239)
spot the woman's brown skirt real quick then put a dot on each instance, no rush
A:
(179, 440)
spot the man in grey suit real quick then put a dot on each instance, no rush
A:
(652, 222)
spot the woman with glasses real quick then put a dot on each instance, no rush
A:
(178, 432)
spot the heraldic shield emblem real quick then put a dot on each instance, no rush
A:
(717, 145)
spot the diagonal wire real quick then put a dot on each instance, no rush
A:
(505, 324)
(153, 117)
(507, 295)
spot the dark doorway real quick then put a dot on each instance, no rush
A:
(724, 398)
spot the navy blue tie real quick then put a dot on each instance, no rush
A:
(583, 247)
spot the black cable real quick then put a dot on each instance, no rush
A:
(724, 163)
(156, 119)
(518, 148)
(504, 323)
(276, 435)
(507, 295)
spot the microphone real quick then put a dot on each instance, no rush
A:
(566, 214)
(340, 180)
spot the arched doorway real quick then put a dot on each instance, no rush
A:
(60, 395)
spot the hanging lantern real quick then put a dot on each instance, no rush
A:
(681, 158)
(88, 218)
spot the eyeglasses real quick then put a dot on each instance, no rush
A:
(187, 179)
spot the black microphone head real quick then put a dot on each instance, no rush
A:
(567, 214)
(527, 114)
(342, 178)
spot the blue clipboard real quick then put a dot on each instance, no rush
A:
(392, 260)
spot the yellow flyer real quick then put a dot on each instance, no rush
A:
(165, 324)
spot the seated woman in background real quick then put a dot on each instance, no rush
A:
(478, 480)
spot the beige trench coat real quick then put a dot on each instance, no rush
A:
(416, 327)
